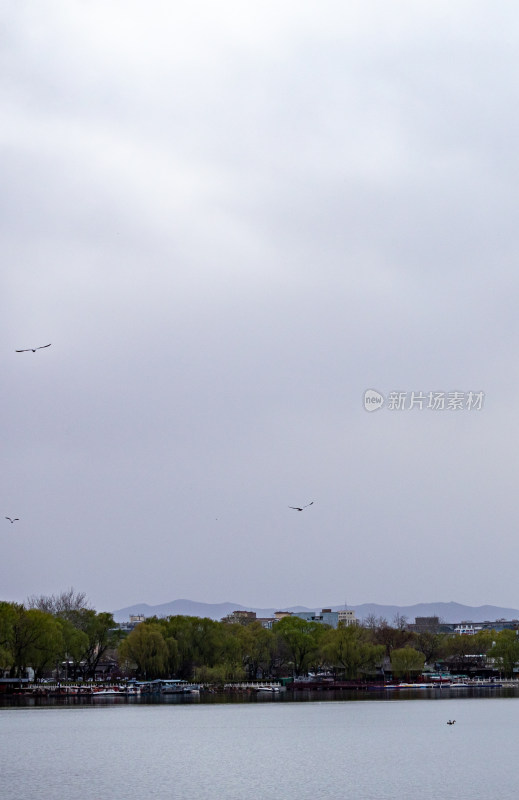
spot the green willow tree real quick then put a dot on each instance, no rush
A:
(179, 629)
(47, 646)
(7, 621)
(257, 649)
(248, 650)
(301, 640)
(406, 662)
(505, 651)
(200, 643)
(349, 650)
(30, 638)
(146, 649)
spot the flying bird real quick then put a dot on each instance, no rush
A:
(16, 519)
(300, 508)
(33, 349)
(451, 721)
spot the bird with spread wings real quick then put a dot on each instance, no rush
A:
(301, 508)
(33, 349)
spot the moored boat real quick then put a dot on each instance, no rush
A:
(179, 687)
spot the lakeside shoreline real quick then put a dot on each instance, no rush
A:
(225, 695)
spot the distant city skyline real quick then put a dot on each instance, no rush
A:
(446, 612)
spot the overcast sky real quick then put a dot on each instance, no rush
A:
(230, 220)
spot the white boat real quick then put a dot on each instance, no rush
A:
(117, 691)
(130, 691)
(179, 687)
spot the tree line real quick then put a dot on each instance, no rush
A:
(207, 651)
(48, 631)
(62, 633)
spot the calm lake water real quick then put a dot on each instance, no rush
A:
(374, 750)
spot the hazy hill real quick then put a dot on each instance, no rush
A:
(193, 609)
(448, 612)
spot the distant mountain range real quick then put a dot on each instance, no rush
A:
(447, 612)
